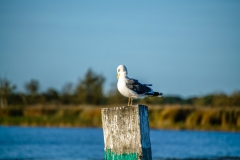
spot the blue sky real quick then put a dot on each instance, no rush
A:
(186, 48)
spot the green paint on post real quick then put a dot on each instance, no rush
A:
(126, 156)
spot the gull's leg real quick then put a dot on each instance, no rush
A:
(131, 101)
(128, 101)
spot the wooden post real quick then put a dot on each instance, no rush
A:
(126, 133)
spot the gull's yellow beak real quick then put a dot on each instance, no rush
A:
(118, 75)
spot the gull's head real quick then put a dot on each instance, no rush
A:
(121, 71)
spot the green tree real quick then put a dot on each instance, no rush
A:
(52, 95)
(235, 99)
(32, 89)
(6, 90)
(221, 99)
(67, 93)
(90, 89)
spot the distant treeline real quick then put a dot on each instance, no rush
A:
(89, 90)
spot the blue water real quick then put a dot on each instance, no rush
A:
(87, 143)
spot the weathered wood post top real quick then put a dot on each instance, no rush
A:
(126, 133)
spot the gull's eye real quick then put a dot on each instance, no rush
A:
(118, 70)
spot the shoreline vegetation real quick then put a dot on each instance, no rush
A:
(65, 107)
(176, 117)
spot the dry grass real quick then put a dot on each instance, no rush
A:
(164, 117)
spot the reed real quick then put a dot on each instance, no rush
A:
(160, 117)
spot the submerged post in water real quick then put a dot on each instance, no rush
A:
(126, 133)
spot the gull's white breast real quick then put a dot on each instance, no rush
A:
(124, 90)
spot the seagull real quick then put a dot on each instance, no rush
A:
(132, 88)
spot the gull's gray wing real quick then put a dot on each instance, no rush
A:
(136, 86)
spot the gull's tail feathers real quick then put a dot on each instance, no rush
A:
(159, 94)
(154, 94)
(147, 84)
